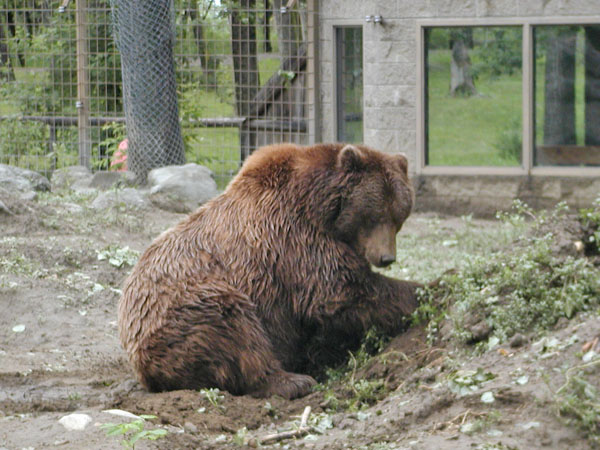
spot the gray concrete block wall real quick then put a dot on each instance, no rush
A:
(390, 67)
(483, 196)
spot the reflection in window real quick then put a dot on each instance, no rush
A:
(567, 95)
(473, 79)
(349, 68)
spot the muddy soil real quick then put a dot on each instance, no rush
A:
(59, 354)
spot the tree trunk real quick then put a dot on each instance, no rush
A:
(12, 31)
(245, 67)
(592, 85)
(209, 62)
(6, 70)
(559, 91)
(461, 78)
(289, 34)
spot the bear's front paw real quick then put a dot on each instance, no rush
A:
(287, 385)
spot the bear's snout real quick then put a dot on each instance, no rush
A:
(386, 260)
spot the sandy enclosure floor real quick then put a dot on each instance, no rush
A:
(61, 268)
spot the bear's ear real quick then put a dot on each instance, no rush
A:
(350, 159)
(401, 162)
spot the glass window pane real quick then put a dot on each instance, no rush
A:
(473, 107)
(567, 95)
(349, 64)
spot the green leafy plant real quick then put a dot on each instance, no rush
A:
(590, 219)
(464, 382)
(527, 288)
(113, 133)
(578, 399)
(134, 431)
(118, 256)
(214, 397)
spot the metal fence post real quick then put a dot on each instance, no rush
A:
(83, 85)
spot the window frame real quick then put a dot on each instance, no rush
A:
(528, 107)
(335, 26)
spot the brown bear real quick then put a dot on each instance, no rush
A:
(236, 295)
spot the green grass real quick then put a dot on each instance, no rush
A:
(485, 130)
(467, 131)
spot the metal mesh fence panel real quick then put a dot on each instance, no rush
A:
(241, 80)
(145, 36)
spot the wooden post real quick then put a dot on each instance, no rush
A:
(83, 87)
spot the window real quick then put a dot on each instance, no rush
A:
(474, 96)
(510, 96)
(349, 87)
(567, 95)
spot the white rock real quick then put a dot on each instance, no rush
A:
(121, 413)
(75, 421)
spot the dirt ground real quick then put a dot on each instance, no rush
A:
(61, 267)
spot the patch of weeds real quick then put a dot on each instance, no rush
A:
(355, 394)
(118, 256)
(590, 220)
(465, 382)
(481, 421)
(74, 396)
(214, 397)
(18, 264)
(240, 438)
(526, 288)
(366, 393)
(134, 431)
(373, 343)
(578, 400)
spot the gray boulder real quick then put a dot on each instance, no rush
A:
(109, 180)
(22, 180)
(73, 177)
(129, 198)
(181, 188)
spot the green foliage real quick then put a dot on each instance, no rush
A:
(578, 400)
(526, 289)
(134, 431)
(361, 392)
(114, 133)
(464, 382)
(214, 397)
(590, 219)
(464, 131)
(500, 51)
(118, 256)
(509, 141)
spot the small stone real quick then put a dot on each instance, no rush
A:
(518, 340)
(75, 421)
(190, 427)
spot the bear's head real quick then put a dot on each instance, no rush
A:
(376, 200)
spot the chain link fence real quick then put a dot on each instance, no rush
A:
(241, 80)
